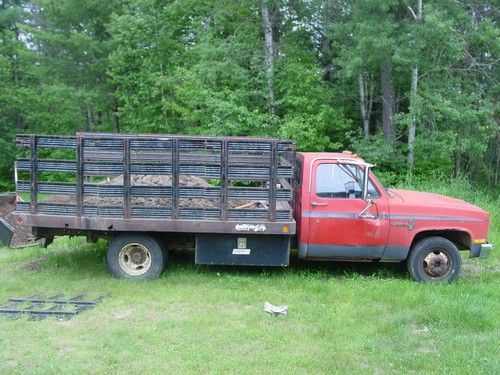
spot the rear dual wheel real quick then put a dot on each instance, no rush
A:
(136, 256)
(434, 259)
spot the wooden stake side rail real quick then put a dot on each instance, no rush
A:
(97, 157)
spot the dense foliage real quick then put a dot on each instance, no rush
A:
(331, 74)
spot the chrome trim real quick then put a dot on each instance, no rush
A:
(343, 215)
(486, 249)
(428, 218)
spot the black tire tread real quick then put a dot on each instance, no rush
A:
(422, 248)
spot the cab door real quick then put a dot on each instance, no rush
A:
(341, 223)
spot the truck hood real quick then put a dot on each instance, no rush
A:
(416, 202)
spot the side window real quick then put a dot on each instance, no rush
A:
(372, 191)
(342, 181)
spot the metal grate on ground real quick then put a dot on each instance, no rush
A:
(37, 307)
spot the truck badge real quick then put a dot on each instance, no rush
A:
(250, 227)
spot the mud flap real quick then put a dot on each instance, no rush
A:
(6, 232)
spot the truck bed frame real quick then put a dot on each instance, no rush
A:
(90, 158)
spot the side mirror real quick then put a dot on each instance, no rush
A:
(364, 213)
(350, 188)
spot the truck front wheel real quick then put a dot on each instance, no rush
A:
(135, 256)
(434, 259)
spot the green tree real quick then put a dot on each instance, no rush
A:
(394, 80)
(12, 53)
(72, 45)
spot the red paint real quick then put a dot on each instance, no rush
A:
(395, 218)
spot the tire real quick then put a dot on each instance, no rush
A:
(135, 256)
(434, 259)
(165, 254)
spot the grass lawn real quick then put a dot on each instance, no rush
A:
(343, 318)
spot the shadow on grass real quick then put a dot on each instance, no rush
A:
(76, 257)
(185, 260)
(79, 258)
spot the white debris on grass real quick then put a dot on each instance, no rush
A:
(275, 310)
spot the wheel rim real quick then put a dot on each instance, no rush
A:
(436, 264)
(134, 259)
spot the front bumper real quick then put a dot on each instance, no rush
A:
(482, 251)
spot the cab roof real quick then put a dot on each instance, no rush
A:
(344, 156)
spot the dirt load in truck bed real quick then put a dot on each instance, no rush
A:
(155, 180)
(144, 180)
(22, 233)
(23, 236)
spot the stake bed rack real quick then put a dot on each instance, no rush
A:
(103, 166)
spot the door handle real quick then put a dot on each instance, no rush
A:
(316, 204)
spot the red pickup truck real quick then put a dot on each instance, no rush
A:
(343, 215)
(238, 200)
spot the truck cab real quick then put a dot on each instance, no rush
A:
(344, 213)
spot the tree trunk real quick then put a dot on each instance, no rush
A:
(98, 120)
(162, 93)
(116, 117)
(458, 162)
(497, 163)
(269, 56)
(413, 99)
(16, 77)
(326, 46)
(413, 121)
(388, 100)
(327, 59)
(88, 122)
(365, 103)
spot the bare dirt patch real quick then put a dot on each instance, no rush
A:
(474, 267)
(34, 265)
(123, 313)
(22, 233)
(69, 323)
